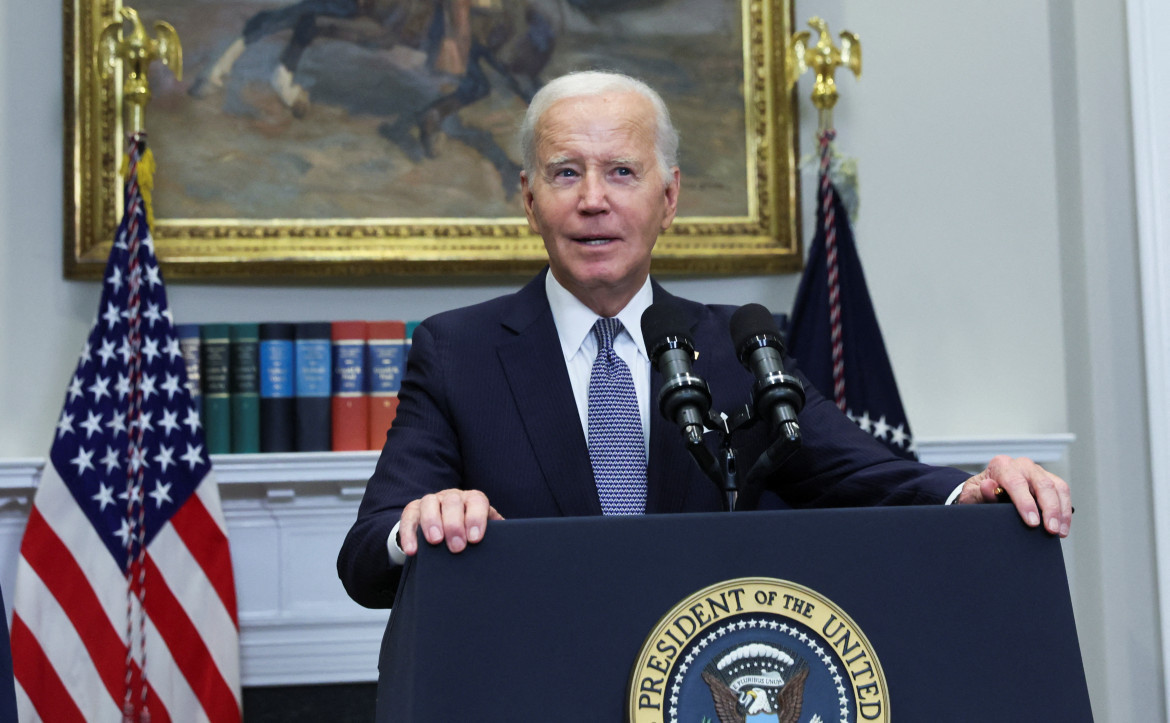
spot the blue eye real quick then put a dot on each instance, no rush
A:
(564, 173)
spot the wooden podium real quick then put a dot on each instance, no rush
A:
(966, 608)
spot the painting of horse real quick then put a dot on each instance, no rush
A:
(372, 109)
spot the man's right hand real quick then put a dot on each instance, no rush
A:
(457, 516)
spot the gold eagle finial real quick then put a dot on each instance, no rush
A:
(137, 51)
(824, 59)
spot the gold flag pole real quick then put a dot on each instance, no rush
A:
(137, 51)
(824, 59)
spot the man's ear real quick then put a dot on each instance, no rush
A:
(526, 195)
(671, 192)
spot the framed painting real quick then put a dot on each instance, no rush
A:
(349, 137)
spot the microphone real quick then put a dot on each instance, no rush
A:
(685, 398)
(776, 394)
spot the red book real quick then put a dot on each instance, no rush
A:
(387, 360)
(351, 399)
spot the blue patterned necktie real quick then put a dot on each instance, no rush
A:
(617, 447)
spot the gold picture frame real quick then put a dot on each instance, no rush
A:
(745, 220)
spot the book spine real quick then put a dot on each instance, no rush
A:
(245, 387)
(314, 378)
(277, 387)
(351, 401)
(387, 360)
(410, 327)
(189, 347)
(215, 368)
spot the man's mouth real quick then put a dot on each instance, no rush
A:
(594, 240)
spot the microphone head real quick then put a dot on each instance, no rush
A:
(665, 326)
(752, 327)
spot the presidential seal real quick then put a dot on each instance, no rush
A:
(757, 649)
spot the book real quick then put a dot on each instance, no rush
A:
(245, 387)
(314, 379)
(215, 371)
(277, 387)
(386, 345)
(189, 347)
(351, 400)
(410, 327)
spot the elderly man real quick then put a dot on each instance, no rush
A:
(538, 403)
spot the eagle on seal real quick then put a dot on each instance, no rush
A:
(754, 702)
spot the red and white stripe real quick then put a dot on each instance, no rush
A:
(69, 617)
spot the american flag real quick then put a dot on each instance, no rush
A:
(125, 606)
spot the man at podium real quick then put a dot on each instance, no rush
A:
(540, 403)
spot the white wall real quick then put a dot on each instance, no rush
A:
(996, 231)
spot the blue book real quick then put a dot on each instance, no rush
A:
(189, 346)
(314, 386)
(277, 388)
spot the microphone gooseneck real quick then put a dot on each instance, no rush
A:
(777, 395)
(685, 398)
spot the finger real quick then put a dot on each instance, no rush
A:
(1009, 475)
(476, 511)
(1048, 499)
(493, 515)
(1066, 508)
(408, 529)
(430, 518)
(990, 489)
(454, 519)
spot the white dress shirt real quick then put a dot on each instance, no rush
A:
(574, 323)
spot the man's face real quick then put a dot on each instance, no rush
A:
(598, 197)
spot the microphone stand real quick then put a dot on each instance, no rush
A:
(724, 472)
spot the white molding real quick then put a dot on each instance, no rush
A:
(286, 516)
(310, 650)
(294, 467)
(1149, 61)
(977, 451)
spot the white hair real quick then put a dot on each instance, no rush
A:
(592, 83)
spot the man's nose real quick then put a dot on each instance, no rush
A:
(593, 197)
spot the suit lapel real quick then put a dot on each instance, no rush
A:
(535, 369)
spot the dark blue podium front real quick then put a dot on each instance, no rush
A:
(967, 609)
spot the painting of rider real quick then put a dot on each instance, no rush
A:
(374, 109)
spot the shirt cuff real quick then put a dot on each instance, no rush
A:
(950, 500)
(397, 556)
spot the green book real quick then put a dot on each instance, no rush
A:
(215, 365)
(245, 387)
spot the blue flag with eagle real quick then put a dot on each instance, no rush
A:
(834, 333)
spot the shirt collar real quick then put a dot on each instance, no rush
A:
(575, 321)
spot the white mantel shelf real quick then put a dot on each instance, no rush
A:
(287, 515)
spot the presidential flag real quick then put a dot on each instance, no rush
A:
(125, 607)
(834, 333)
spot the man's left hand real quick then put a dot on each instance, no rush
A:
(1037, 493)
